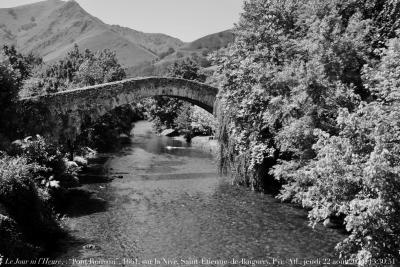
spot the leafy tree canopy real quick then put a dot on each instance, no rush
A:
(77, 69)
(298, 105)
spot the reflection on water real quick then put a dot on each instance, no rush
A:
(171, 204)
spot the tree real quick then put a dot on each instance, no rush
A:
(291, 86)
(9, 87)
(101, 67)
(24, 64)
(76, 69)
(356, 174)
(292, 66)
(187, 69)
(14, 70)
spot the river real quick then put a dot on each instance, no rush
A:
(168, 204)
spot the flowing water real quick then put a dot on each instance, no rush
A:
(168, 207)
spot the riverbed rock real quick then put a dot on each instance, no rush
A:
(80, 161)
(169, 132)
(71, 164)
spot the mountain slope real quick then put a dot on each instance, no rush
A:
(197, 50)
(211, 42)
(157, 43)
(201, 47)
(51, 28)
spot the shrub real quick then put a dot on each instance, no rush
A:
(25, 203)
(54, 168)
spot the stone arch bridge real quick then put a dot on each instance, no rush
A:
(66, 111)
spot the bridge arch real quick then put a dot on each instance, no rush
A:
(69, 109)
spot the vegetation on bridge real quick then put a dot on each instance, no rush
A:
(310, 98)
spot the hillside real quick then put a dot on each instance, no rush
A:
(51, 28)
(211, 42)
(197, 50)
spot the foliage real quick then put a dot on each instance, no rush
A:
(193, 121)
(23, 64)
(174, 113)
(8, 94)
(188, 70)
(26, 204)
(8, 88)
(162, 111)
(356, 173)
(297, 106)
(12, 243)
(15, 174)
(101, 67)
(55, 170)
(104, 133)
(77, 69)
(14, 69)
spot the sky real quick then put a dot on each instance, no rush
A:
(185, 19)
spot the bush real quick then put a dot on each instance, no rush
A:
(55, 170)
(25, 203)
